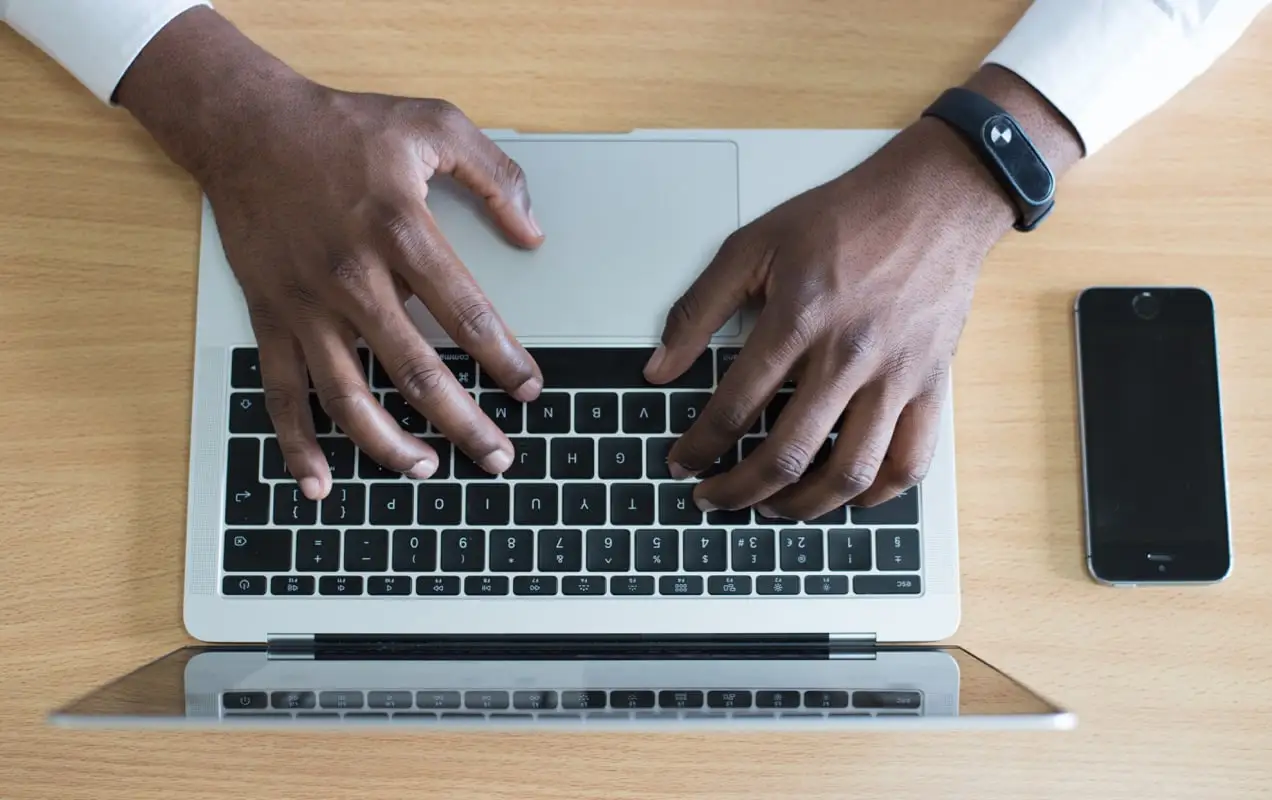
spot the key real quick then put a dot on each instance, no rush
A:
(486, 699)
(366, 551)
(291, 507)
(774, 409)
(322, 422)
(534, 585)
(242, 700)
(340, 585)
(460, 364)
(508, 414)
(675, 505)
(436, 586)
(609, 550)
(887, 584)
(723, 516)
(257, 550)
(487, 504)
(801, 550)
(849, 550)
(618, 458)
(243, 584)
(467, 469)
(572, 459)
(656, 450)
(900, 510)
(245, 368)
(583, 585)
(729, 698)
(414, 550)
(631, 504)
(404, 413)
(631, 585)
(248, 414)
(836, 516)
(680, 698)
(535, 504)
(617, 367)
(729, 585)
(340, 700)
(273, 465)
(897, 551)
(779, 699)
(644, 412)
(549, 413)
(705, 550)
(487, 585)
(657, 551)
(437, 700)
(580, 701)
(825, 698)
(389, 699)
(749, 444)
(246, 498)
(682, 585)
(339, 452)
(881, 699)
(560, 550)
(685, 409)
(753, 550)
(596, 412)
(370, 470)
(723, 463)
(529, 461)
(443, 450)
(439, 504)
(583, 504)
(463, 551)
(392, 504)
(826, 584)
(777, 584)
(632, 698)
(292, 700)
(511, 550)
(291, 585)
(346, 505)
(535, 700)
(317, 551)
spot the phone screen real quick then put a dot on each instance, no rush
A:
(1152, 435)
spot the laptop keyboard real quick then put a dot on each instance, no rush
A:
(587, 508)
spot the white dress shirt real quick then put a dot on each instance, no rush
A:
(1104, 64)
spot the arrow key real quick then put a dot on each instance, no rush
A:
(246, 498)
(248, 414)
(245, 368)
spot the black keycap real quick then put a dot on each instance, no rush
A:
(340, 456)
(749, 444)
(680, 698)
(825, 584)
(774, 408)
(392, 504)
(317, 551)
(389, 699)
(248, 414)
(467, 469)
(487, 585)
(407, 417)
(370, 470)
(486, 699)
(549, 413)
(460, 364)
(293, 700)
(723, 516)
(322, 422)
(366, 551)
(245, 368)
(656, 450)
(535, 504)
(291, 507)
(886, 699)
(767, 520)
(257, 550)
(676, 506)
(414, 550)
(583, 504)
(436, 586)
(291, 585)
(631, 698)
(507, 413)
(825, 698)
(618, 458)
(729, 698)
(273, 465)
(534, 585)
(753, 550)
(900, 510)
(577, 701)
(897, 551)
(835, 516)
(487, 504)
(560, 550)
(644, 412)
(849, 550)
(657, 551)
(684, 585)
(887, 584)
(340, 699)
(729, 584)
(609, 550)
(511, 550)
(706, 550)
(340, 585)
(801, 550)
(596, 412)
(583, 584)
(246, 498)
(777, 699)
(534, 701)
(723, 463)
(573, 458)
(777, 584)
(244, 700)
(609, 367)
(631, 585)
(440, 504)
(243, 584)
(530, 459)
(437, 700)
(463, 551)
(631, 504)
(686, 407)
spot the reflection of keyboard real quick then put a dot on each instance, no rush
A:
(587, 509)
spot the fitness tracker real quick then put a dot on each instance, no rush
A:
(1001, 144)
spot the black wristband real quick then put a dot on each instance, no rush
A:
(1002, 146)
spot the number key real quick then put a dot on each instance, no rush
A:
(897, 550)
(560, 551)
(511, 550)
(801, 550)
(463, 551)
(608, 550)
(706, 550)
(414, 550)
(753, 550)
(657, 551)
(849, 550)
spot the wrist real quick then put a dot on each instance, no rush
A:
(1048, 129)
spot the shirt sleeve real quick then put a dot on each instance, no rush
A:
(95, 40)
(1106, 64)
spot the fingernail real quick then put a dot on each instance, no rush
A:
(534, 223)
(656, 360)
(705, 505)
(423, 468)
(497, 462)
(311, 488)
(679, 471)
(528, 390)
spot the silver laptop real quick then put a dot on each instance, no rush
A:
(575, 581)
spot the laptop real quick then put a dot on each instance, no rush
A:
(579, 588)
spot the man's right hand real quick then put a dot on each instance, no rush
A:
(319, 197)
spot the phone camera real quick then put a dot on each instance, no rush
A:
(1146, 305)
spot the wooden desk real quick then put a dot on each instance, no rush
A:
(97, 273)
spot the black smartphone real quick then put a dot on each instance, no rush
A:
(1153, 467)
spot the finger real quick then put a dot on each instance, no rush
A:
(420, 255)
(286, 385)
(707, 304)
(342, 390)
(912, 449)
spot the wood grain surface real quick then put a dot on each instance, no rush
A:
(98, 238)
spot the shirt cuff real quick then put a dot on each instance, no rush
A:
(94, 40)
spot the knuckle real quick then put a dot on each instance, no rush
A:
(340, 399)
(421, 378)
(683, 312)
(727, 420)
(298, 295)
(348, 273)
(854, 478)
(445, 116)
(789, 463)
(475, 318)
(911, 471)
(508, 173)
(282, 405)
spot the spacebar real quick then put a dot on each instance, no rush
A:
(606, 368)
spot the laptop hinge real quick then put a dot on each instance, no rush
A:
(852, 646)
(290, 647)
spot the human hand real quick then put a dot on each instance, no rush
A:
(320, 201)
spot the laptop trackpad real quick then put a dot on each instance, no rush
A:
(629, 225)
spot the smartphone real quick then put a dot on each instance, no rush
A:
(1153, 466)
